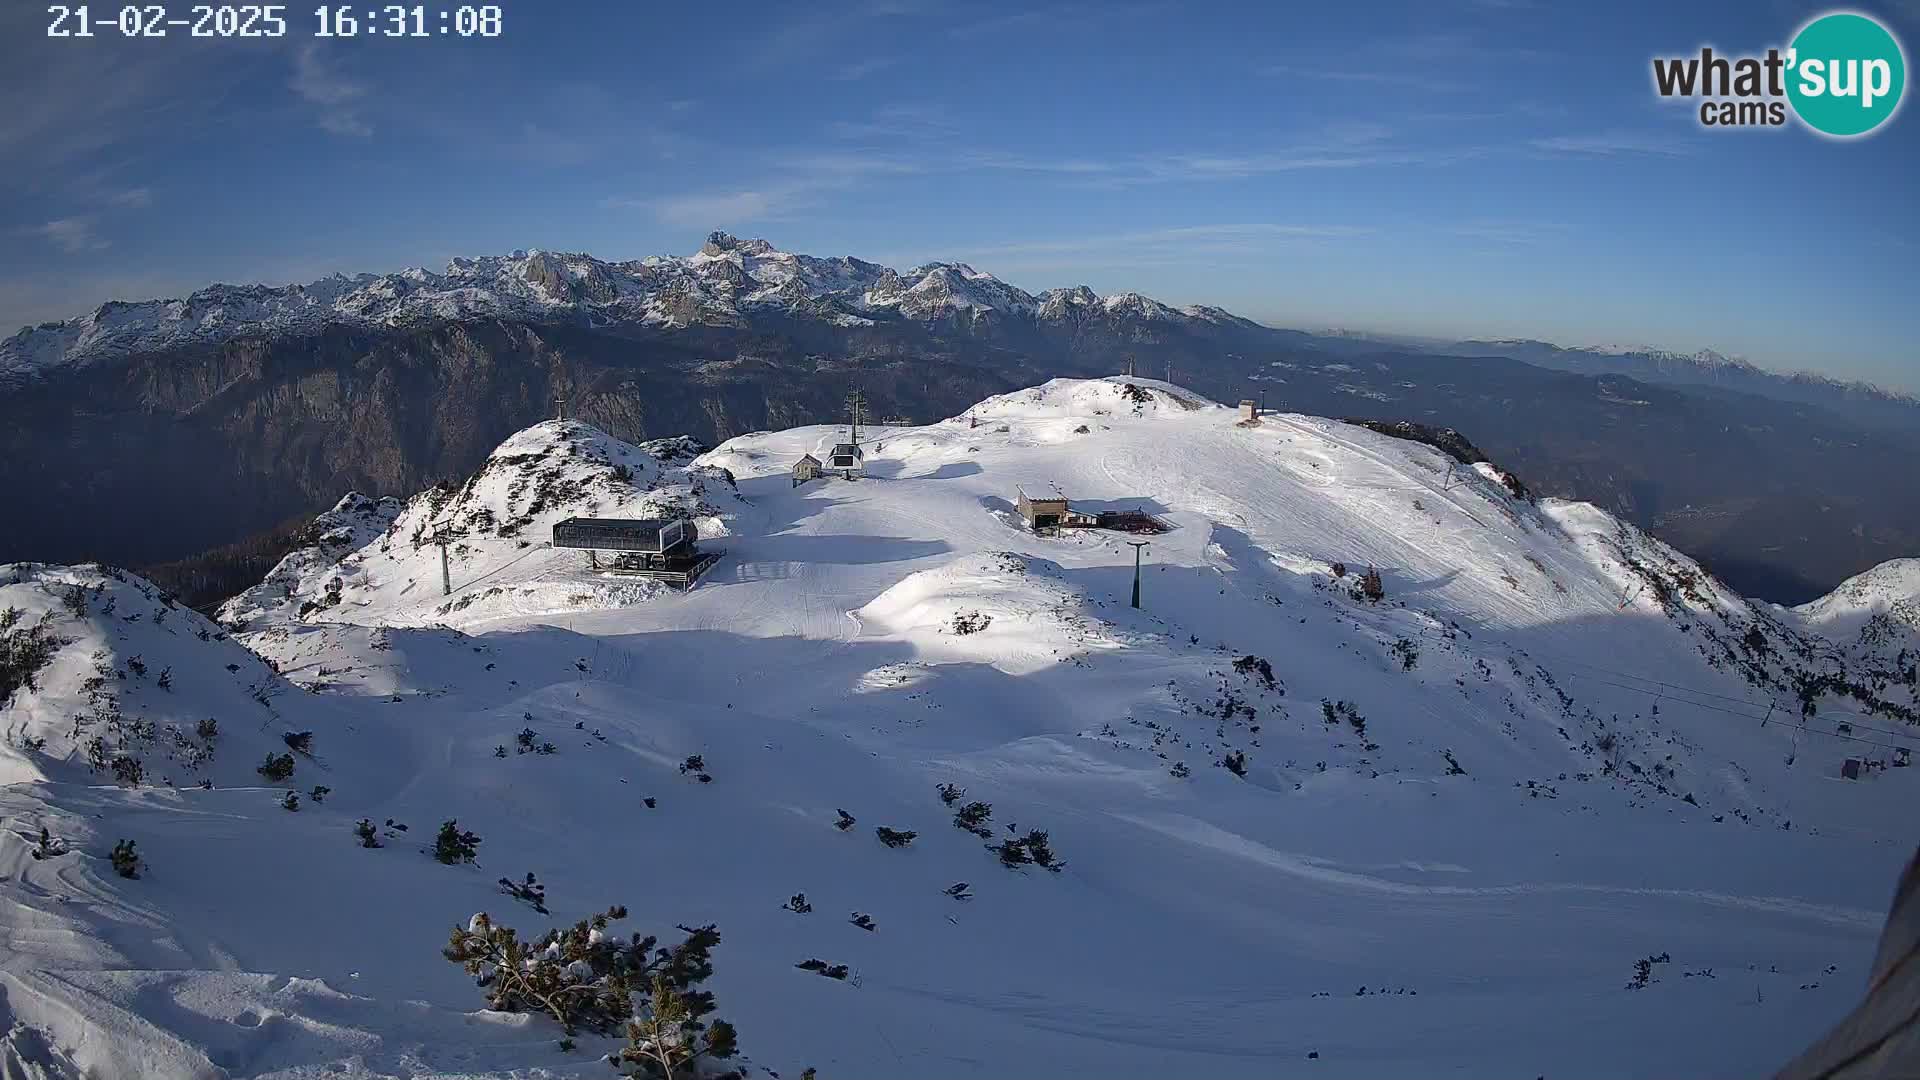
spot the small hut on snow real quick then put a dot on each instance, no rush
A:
(807, 468)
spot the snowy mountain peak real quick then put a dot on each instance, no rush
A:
(383, 557)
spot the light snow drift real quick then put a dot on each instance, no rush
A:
(1304, 832)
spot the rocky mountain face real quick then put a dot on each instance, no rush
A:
(236, 409)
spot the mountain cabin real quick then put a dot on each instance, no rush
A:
(807, 468)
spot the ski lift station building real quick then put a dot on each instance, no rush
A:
(665, 549)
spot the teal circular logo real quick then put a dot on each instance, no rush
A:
(1845, 74)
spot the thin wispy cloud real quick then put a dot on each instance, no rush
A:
(318, 83)
(860, 69)
(1062, 16)
(72, 235)
(1613, 143)
(131, 199)
(1391, 79)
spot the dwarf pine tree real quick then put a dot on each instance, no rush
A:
(126, 861)
(277, 767)
(368, 835)
(895, 837)
(585, 978)
(973, 817)
(454, 844)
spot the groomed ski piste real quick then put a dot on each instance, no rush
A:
(1304, 832)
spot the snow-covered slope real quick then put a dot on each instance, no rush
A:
(1305, 832)
(724, 281)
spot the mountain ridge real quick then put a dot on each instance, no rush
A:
(725, 280)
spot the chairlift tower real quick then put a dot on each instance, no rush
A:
(1136, 545)
(856, 411)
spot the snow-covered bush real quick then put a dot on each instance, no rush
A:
(1371, 588)
(368, 836)
(973, 817)
(1405, 651)
(25, 650)
(49, 846)
(1033, 848)
(951, 794)
(290, 801)
(895, 837)
(862, 920)
(696, 767)
(797, 903)
(587, 979)
(529, 892)
(126, 861)
(277, 767)
(823, 969)
(454, 844)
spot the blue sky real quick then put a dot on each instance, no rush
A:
(1447, 167)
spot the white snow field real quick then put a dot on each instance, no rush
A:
(1553, 749)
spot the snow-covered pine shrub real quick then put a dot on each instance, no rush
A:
(823, 969)
(319, 793)
(1041, 850)
(1453, 767)
(1012, 853)
(126, 861)
(845, 822)
(696, 766)
(290, 801)
(529, 742)
(949, 794)
(895, 837)
(128, 770)
(1405, 651)
(165, 681)
(25, 650)
(797, 903)
(1339, 569)
(1371, 588)
(368, 836)
(973, 817)
(1035, 848)
(862, 920)
(529, 892)
(1180, 770)
(208, 729)
(1255, 667)
(1236, 763)
(587, 979)
(48, 846)
(277, 767)
(455, 845)
(299, 741)
(958, 890)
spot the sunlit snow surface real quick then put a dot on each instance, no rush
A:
(1350, 897)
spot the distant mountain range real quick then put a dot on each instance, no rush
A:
(165, 428)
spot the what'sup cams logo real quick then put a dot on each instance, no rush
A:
(1843, 75)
